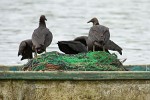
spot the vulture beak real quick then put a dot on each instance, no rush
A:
(90, 21)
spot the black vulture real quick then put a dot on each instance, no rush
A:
(98, 34)
(110, 45)
(72, 47)
(25, 49)
(41, 37)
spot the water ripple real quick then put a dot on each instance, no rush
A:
(128, 21)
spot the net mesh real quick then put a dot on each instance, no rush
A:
(91, 61)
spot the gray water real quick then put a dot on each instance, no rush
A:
(128, 20)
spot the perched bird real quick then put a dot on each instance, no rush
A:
(85, 40)
(41, 37)
(98, 34)
(25, 49)
(110, 45)
(72, 47)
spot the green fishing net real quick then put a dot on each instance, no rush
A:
(91, 61)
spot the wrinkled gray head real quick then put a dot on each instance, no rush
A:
(43, 18)
(94, 21)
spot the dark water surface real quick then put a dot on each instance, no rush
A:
(128, 20)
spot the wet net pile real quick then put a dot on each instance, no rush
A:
(91, 61)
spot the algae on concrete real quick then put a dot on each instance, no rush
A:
(75, 90)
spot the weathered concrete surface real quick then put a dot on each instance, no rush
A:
(74, 75)
(75, 90)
